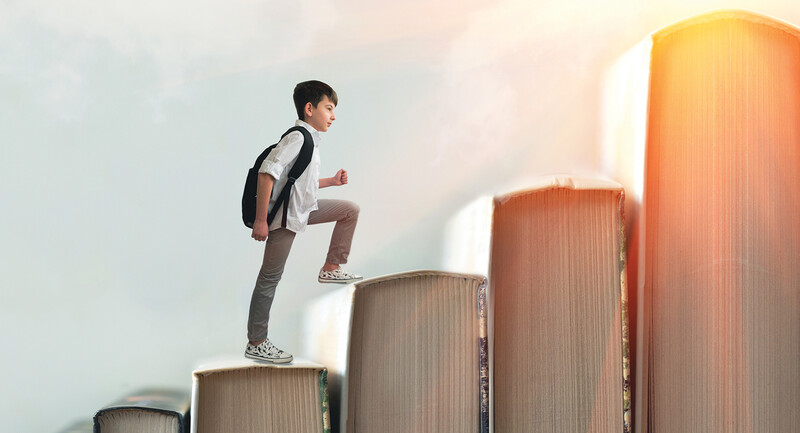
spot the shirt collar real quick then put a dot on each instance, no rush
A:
(314, 133)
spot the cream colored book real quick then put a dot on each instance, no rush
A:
(155, 410)
(247, 396)
(555, 257)
(409, 352)
(712, 155)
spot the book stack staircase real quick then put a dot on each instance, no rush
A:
(528, 330)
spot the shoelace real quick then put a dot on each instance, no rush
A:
(336, 273)
(272, 349)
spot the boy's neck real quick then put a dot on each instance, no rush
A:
(307, 125)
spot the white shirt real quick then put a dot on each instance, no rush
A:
(303, 197)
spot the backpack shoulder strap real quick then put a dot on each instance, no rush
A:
(304, 157)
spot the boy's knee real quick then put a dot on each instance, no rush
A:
(355, 208)
(268, 278)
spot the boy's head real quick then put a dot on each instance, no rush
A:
(314, 102)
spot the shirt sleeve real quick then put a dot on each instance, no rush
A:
(284, 154)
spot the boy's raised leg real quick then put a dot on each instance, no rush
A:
(345, 214)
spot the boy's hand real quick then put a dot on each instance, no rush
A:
(260, 231)
(340, 178)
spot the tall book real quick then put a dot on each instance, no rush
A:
(246, 396)
(152, 410)
(558, 335)
(717, 169)
(415, 357)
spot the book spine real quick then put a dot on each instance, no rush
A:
(626, 355)
(325, 409)
(195, 404)
(483, 361)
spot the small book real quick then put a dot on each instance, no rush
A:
(150, 410)
(247, 396)
(710, 149)
(415, 350)
(554, 253)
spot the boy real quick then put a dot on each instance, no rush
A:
(314, 101)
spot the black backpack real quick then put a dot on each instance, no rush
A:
(251, 184)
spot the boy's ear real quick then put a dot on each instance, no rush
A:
(307, 109)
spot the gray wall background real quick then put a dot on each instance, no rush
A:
(127, 129)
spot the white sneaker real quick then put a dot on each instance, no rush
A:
(338, 275)
(266, 351)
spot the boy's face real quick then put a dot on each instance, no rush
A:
(321, 116)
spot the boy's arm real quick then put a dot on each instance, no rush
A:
(340, 178)
(263, 192)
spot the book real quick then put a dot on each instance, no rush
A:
(555, 255)
(248, 396)
(714, 164)
(154, 410)
(413, 346)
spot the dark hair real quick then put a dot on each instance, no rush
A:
(311, 91)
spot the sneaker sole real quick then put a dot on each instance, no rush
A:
(351, 280)
(274, 361)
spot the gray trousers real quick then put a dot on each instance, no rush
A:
(276, 251)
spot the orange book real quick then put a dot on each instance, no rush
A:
(711, 151)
